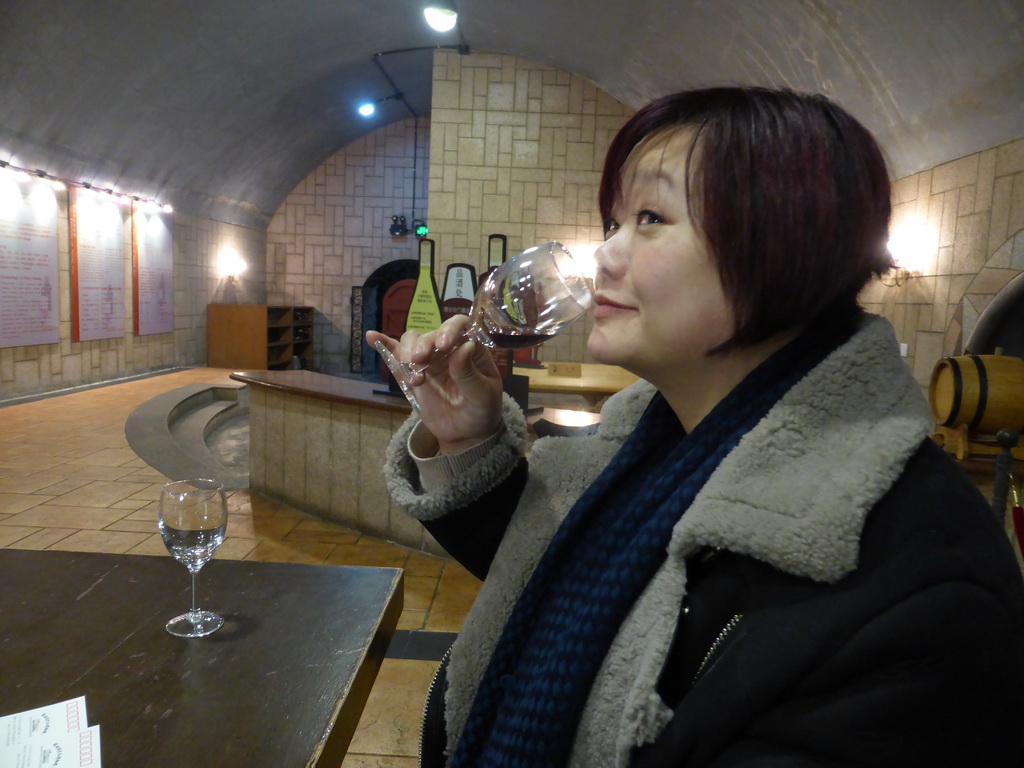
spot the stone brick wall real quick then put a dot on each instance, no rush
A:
(516, 148)
(972, 216)
(51, 367)
(332, 231)
(511, 147)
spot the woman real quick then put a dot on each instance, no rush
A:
(760, 558)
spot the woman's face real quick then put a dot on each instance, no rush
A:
(659, 301)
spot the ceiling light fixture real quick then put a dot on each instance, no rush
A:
(441, 15)
(369, 108)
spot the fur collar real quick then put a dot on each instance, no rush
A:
(796, 491)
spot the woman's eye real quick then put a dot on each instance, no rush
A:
(611, 226)
(648, 217)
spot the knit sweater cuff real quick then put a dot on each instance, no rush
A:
(438, 472)
(406, 486)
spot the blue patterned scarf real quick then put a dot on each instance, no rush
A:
(609, 546)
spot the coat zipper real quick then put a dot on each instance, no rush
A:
(430, 696)
(727, 630)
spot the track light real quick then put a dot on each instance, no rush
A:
(58, 185)
(441, 15)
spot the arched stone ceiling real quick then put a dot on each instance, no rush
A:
(222, 106)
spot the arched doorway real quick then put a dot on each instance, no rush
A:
(367, 311)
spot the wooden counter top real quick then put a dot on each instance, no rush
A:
(594, 381)
(324, 387)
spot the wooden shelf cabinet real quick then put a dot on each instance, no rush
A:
(261, 337)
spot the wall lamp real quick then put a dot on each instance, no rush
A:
(230, 264)
(897, 276)
(441, 15)
(911, 243)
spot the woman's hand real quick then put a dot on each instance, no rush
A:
(460, 396)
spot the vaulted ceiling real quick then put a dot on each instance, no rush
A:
(222, 106)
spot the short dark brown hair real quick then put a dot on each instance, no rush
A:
(790, 192)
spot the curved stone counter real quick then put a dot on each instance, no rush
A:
(317, 443)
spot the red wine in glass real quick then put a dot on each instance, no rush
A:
(503, 339)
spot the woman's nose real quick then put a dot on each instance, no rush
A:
(609, 256)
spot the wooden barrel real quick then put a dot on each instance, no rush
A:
(985, 392)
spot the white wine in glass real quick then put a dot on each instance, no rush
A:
(530, 298)
(193, 518)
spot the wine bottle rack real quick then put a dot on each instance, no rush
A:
(259, 336)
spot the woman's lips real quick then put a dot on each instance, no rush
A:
(606, 307)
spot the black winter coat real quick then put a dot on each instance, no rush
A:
(838, 593)
(894, 665)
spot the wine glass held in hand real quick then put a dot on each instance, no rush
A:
(193, 518)
(524, 302)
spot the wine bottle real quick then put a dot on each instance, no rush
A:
(425, 309)
(497, 247)
(459, 286)
(497, 250)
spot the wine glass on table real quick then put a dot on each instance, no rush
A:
(524, 302)
(193, 518)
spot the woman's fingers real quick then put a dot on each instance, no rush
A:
(443, 355)
(460, 394)
(472, 366)
(372, 337)
(452, 333)
(420, 347)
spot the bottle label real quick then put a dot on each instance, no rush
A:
(425, 309)
(459, 284)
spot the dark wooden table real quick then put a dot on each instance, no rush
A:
(282, 684)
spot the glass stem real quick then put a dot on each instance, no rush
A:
(193, 590)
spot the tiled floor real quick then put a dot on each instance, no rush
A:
(69, 481)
